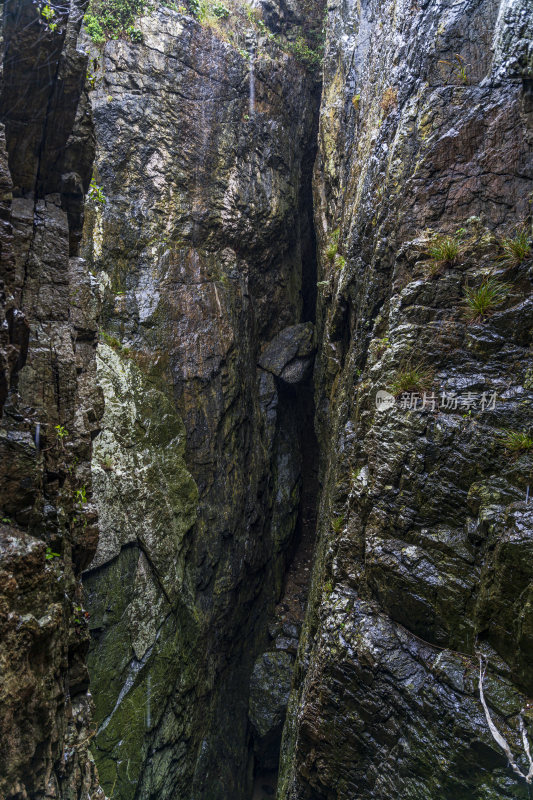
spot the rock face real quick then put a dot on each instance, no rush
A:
(49, 409)
(183, 343)
(425, 530)
(270, 686)
(201, 249)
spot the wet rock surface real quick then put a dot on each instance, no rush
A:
(49, 410)
(199, 251)
(156, 409)
(270, 684)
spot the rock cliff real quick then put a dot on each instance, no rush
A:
(213, 257)
(203, 246)
(423, 556)
(49, 408)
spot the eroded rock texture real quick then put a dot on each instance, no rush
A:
(424, 555)
(49, 409)
(204, 155)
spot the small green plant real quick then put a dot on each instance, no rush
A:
(94, 29)
(381, 345)
(6, 520)
(309, 57)
(444, 251)
(135, 35)
(48, 13)
(486, 298)
(328, 587)
(107, 463)
(331, 251)
(80, 615)
(90, 80)
(61, 432)
(112, 341)
(337, 523)
(517, 441)
(516, 248)
(416, 377)
(340, 262)
(220, 10)
(50, 554)
(80, 496)
(389, 100)
(356, 101)
(95, 193)
(333, 245)
(459, 68)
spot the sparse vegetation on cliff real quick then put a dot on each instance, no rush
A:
(517, 441)
(415, 377)
(444, 251)
(389, 100)
(486, 298)
(458, 68)
(516, 248)
(333, 246)
(112, 19)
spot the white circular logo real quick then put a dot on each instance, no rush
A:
(384, 400)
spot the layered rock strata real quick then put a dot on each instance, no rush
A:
(425, 524)
(49, 408)
(199, 243)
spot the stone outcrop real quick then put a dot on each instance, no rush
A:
(423, 557)
(49, 409)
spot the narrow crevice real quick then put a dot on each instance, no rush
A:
(298, 401)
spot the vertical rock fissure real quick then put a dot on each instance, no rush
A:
(272, 674)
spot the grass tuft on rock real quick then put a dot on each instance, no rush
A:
(516, 248)
(416, 377)
(517, 441)
(481, 302)
(337, 524)
(444, 251)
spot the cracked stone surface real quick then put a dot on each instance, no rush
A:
(423, 557)
(49, 410)
(199, 253)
